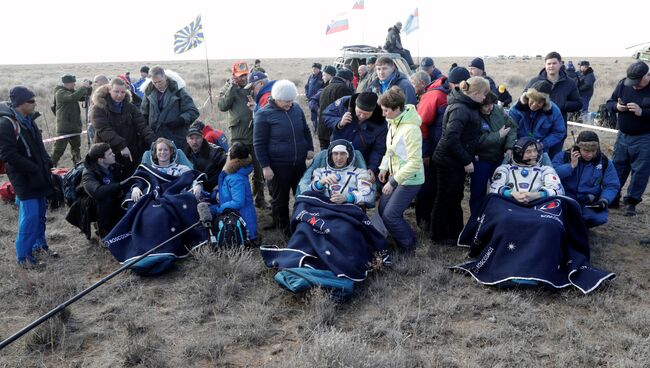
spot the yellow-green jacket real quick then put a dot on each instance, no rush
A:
(403, 158)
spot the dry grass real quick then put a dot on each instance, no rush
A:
(224, 309)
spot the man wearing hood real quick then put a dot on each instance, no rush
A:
(588, 177)
(340, 181)
(68, 117)
(564, 91)
(388, 76)
(168, 107)
(120, 124)
(359, 120)
(28, 168)
(394, 44)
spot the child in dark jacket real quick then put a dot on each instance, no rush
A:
(234, 190)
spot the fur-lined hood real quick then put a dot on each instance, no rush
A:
(175, 82)
(102, 95)
(232, 166)
(536, 95)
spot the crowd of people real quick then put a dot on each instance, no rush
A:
(419, 138)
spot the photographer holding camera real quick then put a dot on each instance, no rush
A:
(588, 176)
(68, 116)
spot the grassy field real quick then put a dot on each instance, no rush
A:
(224, 309)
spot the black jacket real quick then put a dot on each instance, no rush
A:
(461, 130)
(586, 82)
(564, 93)
(337, 88)
(28, 163)
(209, 160)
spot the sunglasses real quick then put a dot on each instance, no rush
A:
(32, 101)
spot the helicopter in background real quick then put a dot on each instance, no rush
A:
(643, 53)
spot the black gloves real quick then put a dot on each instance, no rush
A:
(600, 205)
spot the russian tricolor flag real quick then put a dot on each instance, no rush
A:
(338, 24)
(412, 22)
(358, 5)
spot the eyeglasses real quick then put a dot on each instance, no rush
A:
(32, 101)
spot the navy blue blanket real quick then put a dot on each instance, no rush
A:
(328, 236)
(544, 241)
(164, 210)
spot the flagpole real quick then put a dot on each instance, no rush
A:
(207, 66)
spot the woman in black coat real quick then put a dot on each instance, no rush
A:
(454, 156)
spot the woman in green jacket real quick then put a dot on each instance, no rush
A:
(401, 169)
(499, 133)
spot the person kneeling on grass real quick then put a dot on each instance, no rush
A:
(588, 177)
(234, 191)
(340, 181)
(101, 183)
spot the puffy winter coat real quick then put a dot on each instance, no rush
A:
(368, 137)
(235, 193)
(545, 126)
(336, 89)
(564, 93)
(403, 158)
(281, 137)
(586, 81)
(174, 115)
(587, 179)
(27, 162)
(120, 128)
(461, 130)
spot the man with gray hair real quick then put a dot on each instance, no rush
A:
(420, 82)
(168, 107)
(99, 80)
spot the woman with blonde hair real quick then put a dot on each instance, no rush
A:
(401, 168)
(454, 156)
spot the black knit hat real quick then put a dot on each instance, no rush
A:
(458, 74)
(345, 74)
(329, 70)
(317, 65)
(367, 101)
(587, 136)
(238, 150)
(542, 86)
(19, 95)
(477, 63)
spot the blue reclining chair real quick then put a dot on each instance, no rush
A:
(320, 160)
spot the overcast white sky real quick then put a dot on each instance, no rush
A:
(100, 31)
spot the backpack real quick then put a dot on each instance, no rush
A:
(71, 181)
(3, 167)
(56, 198)
(7, 192)
(229, 230)
(606, 118)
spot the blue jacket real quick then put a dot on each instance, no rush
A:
(266, 89)
(281, 137)
(314, 84)
(545, 126)
(396, 79)
(235, 193)
(369, 137)
(137, 85)
(587, 178)
(564, 93)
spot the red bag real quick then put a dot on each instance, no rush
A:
(7, 192)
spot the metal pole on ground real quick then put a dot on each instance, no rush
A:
(80, 295)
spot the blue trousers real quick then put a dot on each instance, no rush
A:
(391, 210)
(632, 156)
(483, 171)
(593, 218)
(31, 228)
(585, 104)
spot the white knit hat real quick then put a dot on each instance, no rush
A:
(284, 90)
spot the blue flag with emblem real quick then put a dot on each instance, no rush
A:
(189, 37)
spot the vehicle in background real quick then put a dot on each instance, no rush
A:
(356, 55)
